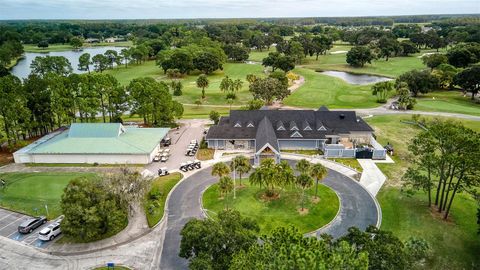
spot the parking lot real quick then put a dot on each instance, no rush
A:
(9, 222)
(181, 137)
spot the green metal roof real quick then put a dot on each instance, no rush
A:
(100, 130)
(96, 138)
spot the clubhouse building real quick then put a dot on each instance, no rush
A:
(267, 133)
(102, 143)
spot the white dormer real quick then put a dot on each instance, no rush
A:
(250, 124)
(322, 128)
(296, 134)
(293, 125)
(237, 125)
(280, 126)
(306, 126)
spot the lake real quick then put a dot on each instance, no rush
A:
(22, 69)
(359, 79)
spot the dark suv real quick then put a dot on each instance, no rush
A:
(31, 224)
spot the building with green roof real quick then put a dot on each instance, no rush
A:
(102, 143)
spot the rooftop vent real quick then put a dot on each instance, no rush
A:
(342, 116)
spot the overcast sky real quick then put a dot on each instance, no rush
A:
(164, 9)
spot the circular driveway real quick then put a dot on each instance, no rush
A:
(357, 208)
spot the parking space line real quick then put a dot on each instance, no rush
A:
(11, 223)
(10, 235)
(6, 216)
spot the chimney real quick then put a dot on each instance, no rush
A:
(342, 116)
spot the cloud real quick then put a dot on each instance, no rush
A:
(143, 9)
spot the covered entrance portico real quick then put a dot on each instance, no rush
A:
(267, 151)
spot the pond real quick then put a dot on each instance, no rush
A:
(22, 69)
(359, 79)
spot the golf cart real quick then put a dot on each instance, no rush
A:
(163, 171)
(184, 167)
(197, 164)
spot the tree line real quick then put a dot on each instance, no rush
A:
(51, 96)
(232, 241)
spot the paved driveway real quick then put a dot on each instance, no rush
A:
(9, 222)
(189, 130)
(358, 208)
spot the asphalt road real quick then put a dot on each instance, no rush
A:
(358, 209)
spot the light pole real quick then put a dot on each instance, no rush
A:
(234, 175)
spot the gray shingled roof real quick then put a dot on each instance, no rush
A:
(265, 134)
(331, 120)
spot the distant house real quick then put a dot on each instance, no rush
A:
(92, 40)
(106, 143)
(268, 132)
(110, 40)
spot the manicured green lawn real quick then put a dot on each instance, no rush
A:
(191, 92)
(389, 129)
(320, 89)
(349, 162)
(68, 47)
(133, 71)
(26, 192)
(200, 112)
(392, 68)
(280, 212)
(154, 208)
(447, 101)
(456, 244)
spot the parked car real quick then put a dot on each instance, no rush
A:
(50, 232)
(156, 158)
(166, 151)
(31, 224)
(163, 158)
(190, 153)
(163, 171)
(194, 142)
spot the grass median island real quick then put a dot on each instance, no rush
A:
(280, 212)
(26, 192)
(154, 203)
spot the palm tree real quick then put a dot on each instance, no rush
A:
(202, 82)
(285, 175)
(220, 169)
(226, 84)
(225, 186)
(237, 85)
(241, 164)
(304, 181)
(303, 166)
(318, 171)
(265, 175)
